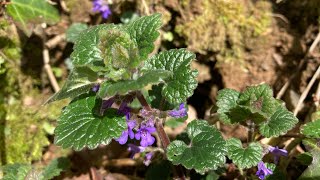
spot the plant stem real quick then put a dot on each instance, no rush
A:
(165, 141)
(251, 127)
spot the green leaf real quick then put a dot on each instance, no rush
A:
(145, 31)
(74, 31)
(16, 171)
(156, 99)
(312, 172)
(80, 81)
(86, 51)
(312, 129)
(79, 125)
(279, 123)
(27, 12)
(259, 99)
(205, 152)
(244, 157)
(178, 88)
(55, 167)
(276, 172)
(122, 87)
(226, 100)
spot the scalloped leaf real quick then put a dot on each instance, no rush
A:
(145, 31)
(206, 151)
(122, 87)
(74, 31)
(312, 172)
(86, 51)
(26, 13)
(260, 99)
(244, 157)
(181, 86)
(226, 100)
(55, 167)
(81, 126)
(312, 129)
(80, 81)
(279, 123)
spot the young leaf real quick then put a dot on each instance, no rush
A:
(205, 152)
(312, 129)
(79, 125)
(74, 30)
(27, 12)
(183, 82)
(80, 81)
(55, 167)
(226, 100)
(122, 87)
(279, 123)
(145, 31)
(259, 99)
(312, 172)
(156, 99)
(16, 171)
(244, 157)
(86, 51)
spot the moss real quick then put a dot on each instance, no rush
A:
(222, 26)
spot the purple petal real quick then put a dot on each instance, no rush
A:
(151, 129)
(131, 134)
(134, 149)
(131, 124)
(123, 138)
(150, 140)
(263, 171)
(138, 135)
(148, 157)
(144, 142)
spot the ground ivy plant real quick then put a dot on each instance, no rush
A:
(112, 67)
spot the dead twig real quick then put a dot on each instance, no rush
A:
(306, 91)
(47, 67)
(316, 96)
(51, 43)
(310, 51)
(94, 174)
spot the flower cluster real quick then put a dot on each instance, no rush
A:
(102, 7)
(182, 112)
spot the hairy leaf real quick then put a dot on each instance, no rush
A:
(29, 12)
(86, 51)
(55, 167)
(244, 157)
(16, 171)
(80, 124)
(80, 81)
(226, 100)
(183, 82)
(122, 87)
(74, 31)
(145, 31)
(205, 152)
(312, 129)
(279, 123)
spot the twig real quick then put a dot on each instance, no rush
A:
(47, 67)
(51, 43)
(146, 8)
(306, 91)
(94, 174)
(286, 85)
(317, 96)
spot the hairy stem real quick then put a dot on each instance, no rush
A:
(251, 127)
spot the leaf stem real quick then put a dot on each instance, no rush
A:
(251, 127)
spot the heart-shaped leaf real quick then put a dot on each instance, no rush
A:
(244, 157)
(206, 150)
(279, 123)
(183, 82)
(80, 125)
(226, 100)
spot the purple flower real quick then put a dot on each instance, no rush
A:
(128, 132)
(182, 112)
(144, 133)
(106, 104)
(263, 171)
(277, 153)
(148, 158)
(103, 7)
(95, 88)
(135, 149)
